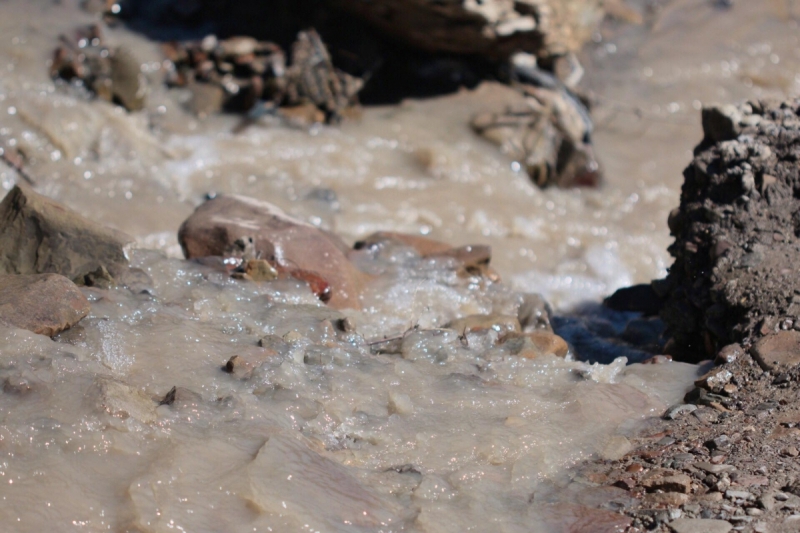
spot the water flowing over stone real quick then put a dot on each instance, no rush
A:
(215, 226)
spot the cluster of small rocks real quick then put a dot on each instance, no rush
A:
(45, 250)
(724, 460)
(48, 251)
(240, 74)
(111, 73)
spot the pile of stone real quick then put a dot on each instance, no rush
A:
(45, 250)
(110, 73)
(243, 74)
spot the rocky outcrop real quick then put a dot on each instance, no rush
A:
(44, 303)
(39, 235)
(293, 245)
(737, 231)
(492, 28)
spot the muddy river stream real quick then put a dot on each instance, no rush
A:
(448, 434)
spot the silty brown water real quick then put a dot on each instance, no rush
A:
(325, 435)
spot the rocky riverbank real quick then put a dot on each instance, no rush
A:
(726, 458)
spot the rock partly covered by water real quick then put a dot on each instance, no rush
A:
(38, 235)
(293, 245)
(737, 230)
(43, 303)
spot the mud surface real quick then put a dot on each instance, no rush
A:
(736, 231)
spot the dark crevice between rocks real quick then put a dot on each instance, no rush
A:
(391, 68)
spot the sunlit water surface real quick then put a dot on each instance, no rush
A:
(323, 435)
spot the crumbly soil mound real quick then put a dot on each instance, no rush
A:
(737, 231)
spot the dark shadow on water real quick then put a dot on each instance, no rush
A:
(598, 334)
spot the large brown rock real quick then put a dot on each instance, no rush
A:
(782, 348)
(491, 28)
(215, 226)
(43, 303)
(39, 235)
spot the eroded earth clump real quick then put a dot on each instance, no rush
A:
(737, 231)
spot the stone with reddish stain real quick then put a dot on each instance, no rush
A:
(424, 246)
(474, 258)
(43, 303)
(216, 225)
(780, 349)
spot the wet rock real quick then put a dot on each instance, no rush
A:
(424, 246)
(259, 270)
(548, 132)
(534, 313)
(535, 344)
(780, 349)
(38, 235)
(290, 244)
(180, 397)
(250, 358)
(43, 303)
(700, 525)
(121, 401)
(502, 324)
(474, 258)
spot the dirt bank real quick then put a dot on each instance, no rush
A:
(726, 458)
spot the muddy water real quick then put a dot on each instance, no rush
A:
(320, 434)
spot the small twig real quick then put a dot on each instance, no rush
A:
(403, 335)
(17, 167)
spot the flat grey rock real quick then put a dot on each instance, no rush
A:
(700, 525)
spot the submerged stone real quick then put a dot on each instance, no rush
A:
(39, 235)
(43, 303)
(215, 227)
